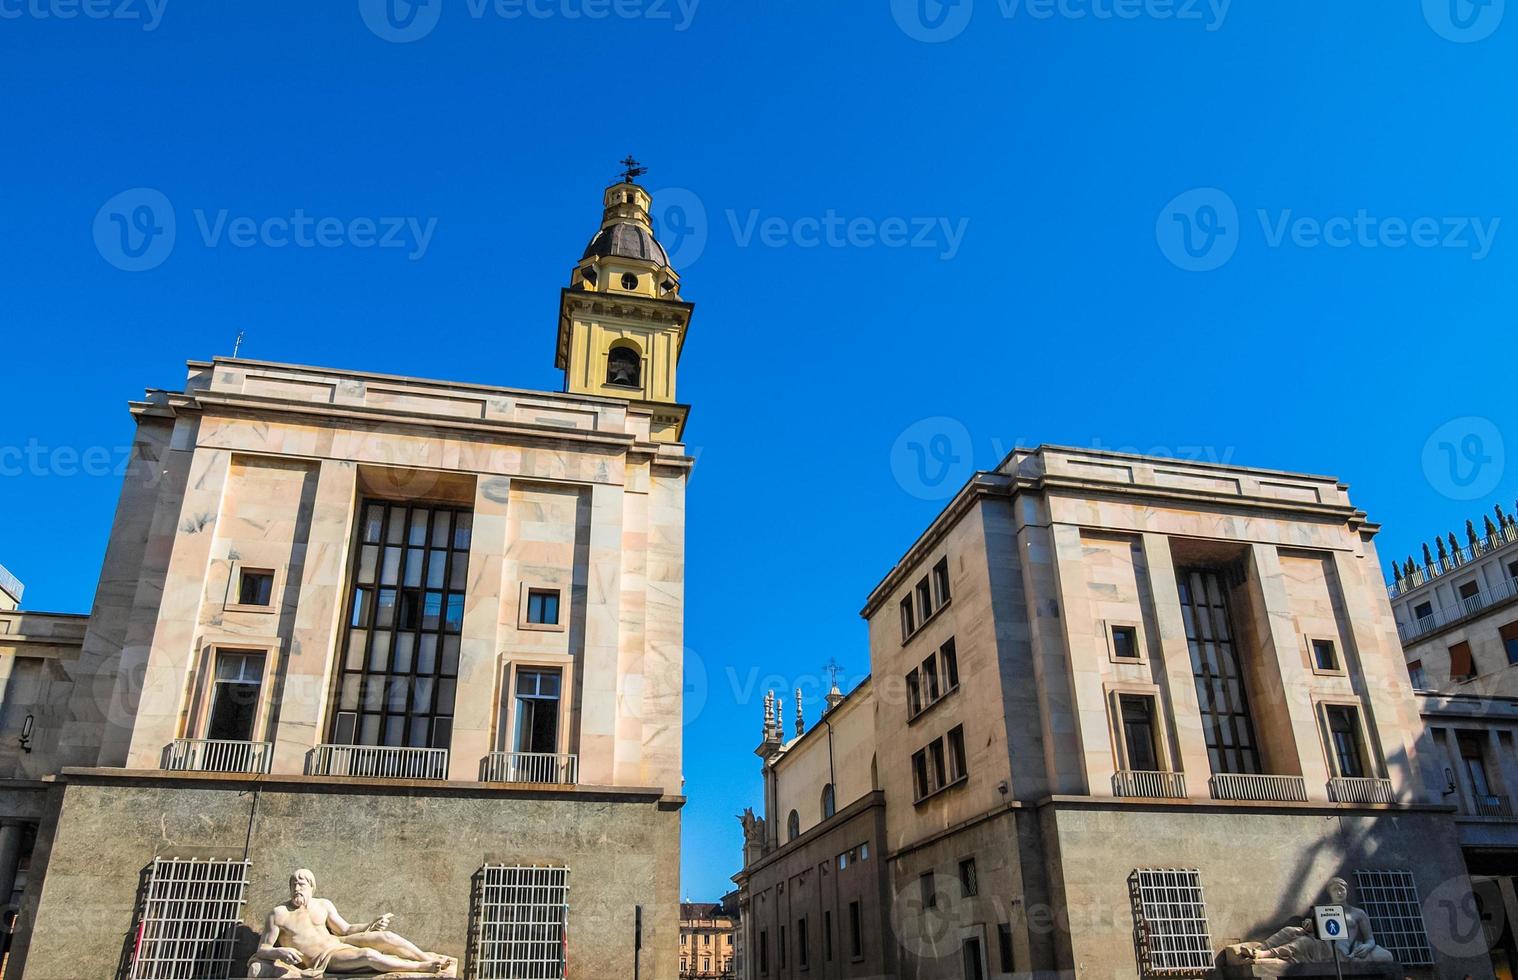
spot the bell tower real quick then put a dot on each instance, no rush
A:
(622, 322)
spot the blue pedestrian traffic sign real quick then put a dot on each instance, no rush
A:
(1331, 924)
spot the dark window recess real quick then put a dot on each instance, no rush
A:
(968, 884)
(941, 581)
(1512, 569)
(629, 281)
(856, 931)
(1125, 642)
(255, 588)
(929, 891)
(764, 952)
(400, 661)
(827, 935)
(1475, 763)
(973, 967)
(920, 773)
(829, 801)
(537, 718)
(1416, 675)
(792, 828)
(950, 657)
(914, 694)
(1344, 730)
(924, 601)
(780, 949)
(543, 606)
(803, 944)
(1470, 596)
(234, 696)
(1218, 673)
(1324, 656)
(931, 692)
(1138, 732)
(1004, 940)
(624, 368)
(908, 621)
(956, 740)
(1461, 666)
(1509, 634)
(1423, 610)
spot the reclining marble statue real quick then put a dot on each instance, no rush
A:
(306, 937)
(1299, 944)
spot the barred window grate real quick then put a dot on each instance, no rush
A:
(190, 916)
(1391, 900)
(1172, 922)
(523, 923)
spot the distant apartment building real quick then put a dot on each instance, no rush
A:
(708, 940)
(1123, 712)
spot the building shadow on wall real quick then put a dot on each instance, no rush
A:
(129, 941)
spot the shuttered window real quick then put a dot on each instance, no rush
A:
(1460, 665)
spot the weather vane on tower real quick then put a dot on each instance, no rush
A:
(634, 169)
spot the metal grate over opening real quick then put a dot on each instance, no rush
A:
(1172, 922)
(1391, 900)
(523, 923)
(190, 916)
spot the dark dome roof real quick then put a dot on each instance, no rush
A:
(627, 240)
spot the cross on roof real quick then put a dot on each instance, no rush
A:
(634, 169)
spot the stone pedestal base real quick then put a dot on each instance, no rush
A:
(1280, 968)
(279, 971)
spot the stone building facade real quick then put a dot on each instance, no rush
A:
(1123, 713)
(421, 637)
(708, 940)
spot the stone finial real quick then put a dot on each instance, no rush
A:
(834, 698)
(800, 719)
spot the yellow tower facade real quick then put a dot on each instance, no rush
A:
(622, 322)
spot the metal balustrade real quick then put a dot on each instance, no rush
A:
(1266, 789)
(530, 767)
(1461, 558)
(1355, 789)
(1154, 785)
(1493, 805)
(217, 755)
(377, 762)
(1468, 606)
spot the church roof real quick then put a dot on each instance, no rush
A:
(627, 240)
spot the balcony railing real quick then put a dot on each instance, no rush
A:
(1248, 786)
(1493, 805)
(1461, 558)
(377, 762)
(1355, 789)
(217, 755)
(530, 767)
(1467, 606)
(1153, 785)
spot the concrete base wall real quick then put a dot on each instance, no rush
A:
(409, 850)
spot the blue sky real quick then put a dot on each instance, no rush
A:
(1272, 234)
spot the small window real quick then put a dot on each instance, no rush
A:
(829, 804)
(543, 606)
(956, 740)
(929, 891)
(1324, 656)
(924, 601)
(908, 622)
(920, 773)
(624, 368)
(1509, 634)
(950, 659)
(941, 581)
(1004, 940)
(1344, 731)
(1125, 644)
(1461, 666)
(968, 885)
(255, 587)
(1423, 610)
(1470, 596)
(780, 949)
(1416, 675)
(793, 826)
(764, 952)
(856, 931)
(930, 678)
(1512, 570)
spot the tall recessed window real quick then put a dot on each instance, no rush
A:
(1138, 732)
(234, 696)
(908, 619)
(255, 587)
(924, 600)
(401, 653)
(1509, 634)
(941, 581)
(624, 368)
(829, 803)
(1218, 672)
(793, 826)
(856, 931)
(543, 606)
(1344, 732)
(1416, 675)
(539, 691)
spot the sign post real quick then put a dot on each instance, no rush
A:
(1332, 927)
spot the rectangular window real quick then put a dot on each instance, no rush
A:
(929, 891)
(1390, 900)
(1416, 675)
(1461, 666)
(1423, 610)
(190, 918)
(1474, 759)
(924, 601)
(1512, 570)
(802, 943)
(1470, 596)
(856, 932)
(234, 696)
(537, 710)
(1004, 941)
(1324, 656)
(920, 773)
(931, 691)
(1344, 731)
(956, 740)
(941, 581)
(400, 660)
(255, 587)
(1125, 642)
(780, 949)
(908, 622)
(950, 659)
(972, 965)
(523, 916)
(1509, 634)
(939, 767)
(968, 885)
(1218, 673)
(827, 935)
(764, 952)
(543, 606)
(1138, 732)
(1175, 936)
(914, 695)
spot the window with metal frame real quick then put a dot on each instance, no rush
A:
(234, 695)
(1344, 735)
(400, 666)
(538, 694)
(522, 922)
(191, 913)
(1390, 899)
(1174, 939)
(1218, 672)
